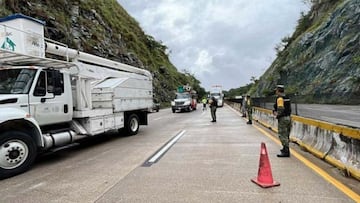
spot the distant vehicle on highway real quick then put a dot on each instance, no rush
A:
(185, 99)
(216, 91)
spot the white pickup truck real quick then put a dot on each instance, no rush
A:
(183, 101)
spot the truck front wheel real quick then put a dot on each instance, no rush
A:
(190, 108)
(132, 124)
(17, 153)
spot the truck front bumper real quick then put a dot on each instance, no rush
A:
(180, 107)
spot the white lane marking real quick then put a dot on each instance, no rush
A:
(158, 118)
(204, 112)
(164, 149)
(37, 185)
(33, 187)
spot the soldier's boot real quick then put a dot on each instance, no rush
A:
(285, 152)
(249, 122)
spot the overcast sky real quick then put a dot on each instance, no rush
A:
(222, 42)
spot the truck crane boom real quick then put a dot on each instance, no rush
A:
(75, 55)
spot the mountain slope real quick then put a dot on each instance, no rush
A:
(103, 28)
(322, 58)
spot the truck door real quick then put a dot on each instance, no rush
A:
(50, 101)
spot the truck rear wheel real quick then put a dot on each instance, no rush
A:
(132, 124)
(17, 153)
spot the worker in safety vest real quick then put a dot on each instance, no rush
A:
(204, 102)
(282, 111)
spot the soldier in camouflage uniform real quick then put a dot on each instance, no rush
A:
(248, 107)
(282, 111)
(213, 106)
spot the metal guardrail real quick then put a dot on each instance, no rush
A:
(346, 115)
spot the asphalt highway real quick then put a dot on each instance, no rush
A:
(179, 157)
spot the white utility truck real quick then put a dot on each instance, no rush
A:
(216, 91)
(48, 103)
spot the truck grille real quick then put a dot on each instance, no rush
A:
(179, 103)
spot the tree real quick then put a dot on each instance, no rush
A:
(285, 41)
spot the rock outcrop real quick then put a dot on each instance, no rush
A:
(323, 60)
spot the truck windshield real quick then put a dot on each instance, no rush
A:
(216, 95)
(16, 81)
(182, 96)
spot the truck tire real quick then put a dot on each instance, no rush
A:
(132, 124)
(173, 110)
(17, 153)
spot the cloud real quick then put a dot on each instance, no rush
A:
(204, 62)
(220, 41)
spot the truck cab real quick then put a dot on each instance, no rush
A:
(32, 99)
(41, 93)
(183, 101)
(216, 91)
(219, 98)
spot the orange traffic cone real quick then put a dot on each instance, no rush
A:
(264, 178)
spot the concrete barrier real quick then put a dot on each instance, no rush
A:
(336, 144)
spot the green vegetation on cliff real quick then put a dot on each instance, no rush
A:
(104, 28)
(321, 58)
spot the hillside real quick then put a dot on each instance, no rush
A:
(322, 58)
(104, 28)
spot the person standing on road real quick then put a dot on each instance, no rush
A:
(204, 102)
(248, 107)
(243, 110)
(282, 111)
(213, 106)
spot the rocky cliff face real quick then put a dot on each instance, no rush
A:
(103, 28)
(324, 57)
